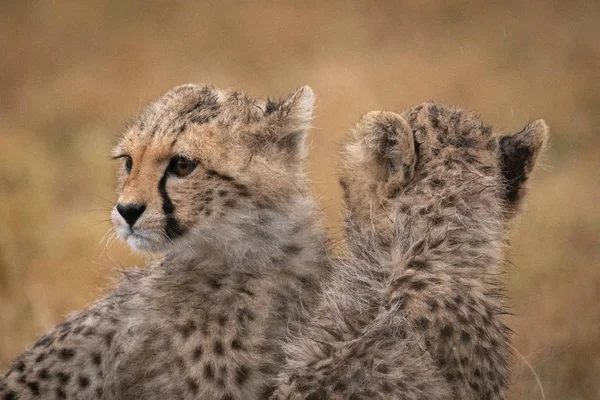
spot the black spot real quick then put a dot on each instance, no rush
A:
(78, 329)
(43, 374)
(108, 337)
(218, 348)
(382, 368)
(19, 366)
(222, 320)
(449, 201)
(197, 353)
(62, 336)
(339, 387)
(223, 193)
(446, 332)
(172, 226)
(60, 393)
(418, 247)
(450, 305)
(206, 199)
(34, 387)
(462, 142)
(89, 332)
(433, 304)
(272, 106)
(245, 290)
(10, 396)
(192, 385)
(63, 378)
(422, 323)
(83, 381)
(209, 372)
(66, 354)
(236, 344)
(244, 314)
(425, 210)
(44, 341)
(242, 189)
(214, 283)
(187, 329)
(230, 203)
(417, 265)
(387, 387)
(465, 337)
(201, 118)
(418, 285)
(434, 115)
(318, 394)
(207, 212)
(99, 392)
(292, 249)
(242, 373)
(435, 182)
(96, 359)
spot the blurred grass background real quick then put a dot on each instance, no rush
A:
(72, 72)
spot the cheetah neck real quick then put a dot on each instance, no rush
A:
(266, 238)
(459, 226)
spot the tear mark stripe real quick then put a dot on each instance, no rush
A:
(172, 226)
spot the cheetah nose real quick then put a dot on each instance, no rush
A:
(131, 212)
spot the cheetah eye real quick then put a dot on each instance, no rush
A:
(182, 166)
(128, 163)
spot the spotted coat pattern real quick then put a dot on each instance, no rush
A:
(415, 311)
(244, 258)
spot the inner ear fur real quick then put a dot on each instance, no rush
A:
(389, 141)
(518, 156)
(289, 119)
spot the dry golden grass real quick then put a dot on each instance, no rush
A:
(72, 72)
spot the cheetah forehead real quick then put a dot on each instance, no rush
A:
(194, 105)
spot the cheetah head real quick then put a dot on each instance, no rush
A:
(199, 163)
(395, 161)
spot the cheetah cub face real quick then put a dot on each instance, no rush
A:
(200, 165)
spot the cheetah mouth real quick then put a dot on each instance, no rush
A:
(147, 243)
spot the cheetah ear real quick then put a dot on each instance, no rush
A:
(289, 120)
(386, 142)
(518, 157)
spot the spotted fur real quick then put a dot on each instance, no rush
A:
(415, 312)
(244, 255)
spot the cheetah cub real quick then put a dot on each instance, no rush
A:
(214, 180)
(415, 311)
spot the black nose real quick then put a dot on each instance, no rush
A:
(131, 212)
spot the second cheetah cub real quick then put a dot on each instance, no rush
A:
(415, 311)
(213, 179)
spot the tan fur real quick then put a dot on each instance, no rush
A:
(244, 257)
(415, 311)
